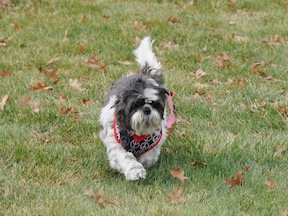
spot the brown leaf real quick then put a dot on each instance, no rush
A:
(105, 17)
(171, 45)
(200, 73)
(99, 199)
(76, 85)
(178, 173)
(137, 40)
(172, 20)
(16, 26)
(52, 61)
(94, 62)
(33, 105)
(6, 73)
(270, 183)
(257, 68)
(39, 86)
(199, 164)
(176, 196)
(139, 26)
(279, 150)
(4, 42)
(237, 38)
(222, 60)
(65, 39)
(237, 181)
(125, 62)
(81, 48)
(246, 169)
(276, 41)
(4, 101)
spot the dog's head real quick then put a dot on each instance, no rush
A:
(140, 107)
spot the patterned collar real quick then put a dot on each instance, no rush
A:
(135, 144)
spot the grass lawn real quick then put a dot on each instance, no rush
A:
(227, 62)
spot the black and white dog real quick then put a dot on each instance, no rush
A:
(133, 118)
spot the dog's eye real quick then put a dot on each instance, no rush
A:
(155, 104)
(140, 103)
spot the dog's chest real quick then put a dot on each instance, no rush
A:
(137, 145)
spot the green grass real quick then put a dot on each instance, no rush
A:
(49, 159)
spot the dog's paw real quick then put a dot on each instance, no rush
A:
(135, 173)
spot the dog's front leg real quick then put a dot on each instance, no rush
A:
(125, 162)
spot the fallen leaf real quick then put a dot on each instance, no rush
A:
(200, 73)
(202, 58)
(49, 73)
(237, 38)
(4, 2)
(173, 20)
(270, 183)
(94, 63)
(179, 174)
(16, 26)
(167, 150)
(279, 150)
(222, 60)
(276, 41)
(105, 17)
(65, 39)
(99, 199)
(76, 85)
(6, 73)
(246, 169)
(124, 62)
(257, 68)
(139, 26)
(33, 105)
(39, 86)
(137, 40)
(237, 181)
(4, 101)
(171, 45)
(81, 48)
(176, 196)
(52, 61)
(87, 102)
(199, 164)
(4, 42)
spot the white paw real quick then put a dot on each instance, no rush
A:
(135, 173)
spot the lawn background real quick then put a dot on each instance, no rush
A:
(233, 117)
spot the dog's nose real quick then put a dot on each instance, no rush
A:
(147, 110)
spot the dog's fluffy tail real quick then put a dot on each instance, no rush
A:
(148, 62)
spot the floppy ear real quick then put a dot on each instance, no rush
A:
(121, 114)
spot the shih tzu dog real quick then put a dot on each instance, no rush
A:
(133, 118)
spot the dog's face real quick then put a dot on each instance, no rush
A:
(140, 108)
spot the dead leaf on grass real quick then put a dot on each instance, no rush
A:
(4, 101)
(237, 38)
(171, 45)
(98, 197)
(176, 196)
(6, 73)
(179, 174)
(200, 73)
(4, 42)
(125, 62)
(270, 183)
(52, 61)
(199, 164)
(221, 61)
(76, 85)
(139, 26)
(279, 150)
(40, 86)
(238, 180)
(66, 39)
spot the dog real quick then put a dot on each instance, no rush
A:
(133, 118)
